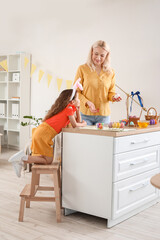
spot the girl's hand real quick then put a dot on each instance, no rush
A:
(116, 98)
(84, 123)
(74, 123)
(92, 107)
(78, 108)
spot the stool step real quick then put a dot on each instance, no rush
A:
(26, 191)
(29, 192)
(46, 167)
(44, 188)
(155, 181)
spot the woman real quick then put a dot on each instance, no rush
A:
(98, 81)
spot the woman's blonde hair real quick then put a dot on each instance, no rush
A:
(106, 65)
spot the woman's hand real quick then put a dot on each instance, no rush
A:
(92, 107)
(116, 98)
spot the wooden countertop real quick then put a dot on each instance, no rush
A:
(107, 132)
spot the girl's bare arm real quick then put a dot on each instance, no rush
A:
(74, 123)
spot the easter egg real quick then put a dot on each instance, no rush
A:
(110, 125)
(121, 125)
(152, 122)
(97, 125)
(118, 125)
(114, 125)
(131, 123)
(155, 121)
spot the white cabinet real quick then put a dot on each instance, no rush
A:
(133, 193)
(109, 176)
(134, 142)
(15, 99)
(131, 163)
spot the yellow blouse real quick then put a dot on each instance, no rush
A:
(98, 89)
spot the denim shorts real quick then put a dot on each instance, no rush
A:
(92, 120)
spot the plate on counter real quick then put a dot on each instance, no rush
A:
(107, 129)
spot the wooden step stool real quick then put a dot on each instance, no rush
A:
(155, 180)
(29, 191)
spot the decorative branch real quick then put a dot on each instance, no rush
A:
(129, 96)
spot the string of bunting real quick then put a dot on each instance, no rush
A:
(49, 77)
(59, 81)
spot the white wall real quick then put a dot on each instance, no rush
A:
(59, 33)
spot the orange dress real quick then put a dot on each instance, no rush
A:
(42, 139)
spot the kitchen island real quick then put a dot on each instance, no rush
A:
(107, 173)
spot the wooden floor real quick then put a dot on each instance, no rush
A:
(40, 221)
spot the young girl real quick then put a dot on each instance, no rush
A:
(61, 113)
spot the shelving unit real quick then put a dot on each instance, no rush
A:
(15, 94)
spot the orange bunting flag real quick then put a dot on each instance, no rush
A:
(33, 68)
(40, 75)
(49, 78)
(59, 83)
(69, 83)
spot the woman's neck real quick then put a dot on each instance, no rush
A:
(98, 69)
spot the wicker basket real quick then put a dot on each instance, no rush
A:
(149, 117)
(134, 120)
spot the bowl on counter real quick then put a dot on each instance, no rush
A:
(143, 123)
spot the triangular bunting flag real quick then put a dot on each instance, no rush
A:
(33, 68)
(59, 83)
(69, 83)
(49, 78)
(40, 75)
(4, 65)
(26, 61)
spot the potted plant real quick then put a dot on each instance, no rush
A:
(35, 121)
(32, 121)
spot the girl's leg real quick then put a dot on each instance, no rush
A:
(39, 159)
(19, 158)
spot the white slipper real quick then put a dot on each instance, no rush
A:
(17, 166)
(17, 156)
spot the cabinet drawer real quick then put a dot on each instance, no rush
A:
(129, 143)
(133, 193)
(135, 162)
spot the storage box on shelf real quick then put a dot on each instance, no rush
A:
(14, 99)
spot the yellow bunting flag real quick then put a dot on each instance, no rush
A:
(33, 68)
(69, 83)
(4, 65)
(40, 75)
(59, 83)
(26, 61)
(49, 78)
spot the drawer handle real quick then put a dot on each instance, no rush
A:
(144, 141)
(138, 187)
(135, 163)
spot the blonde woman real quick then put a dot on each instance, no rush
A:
(98, 81)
